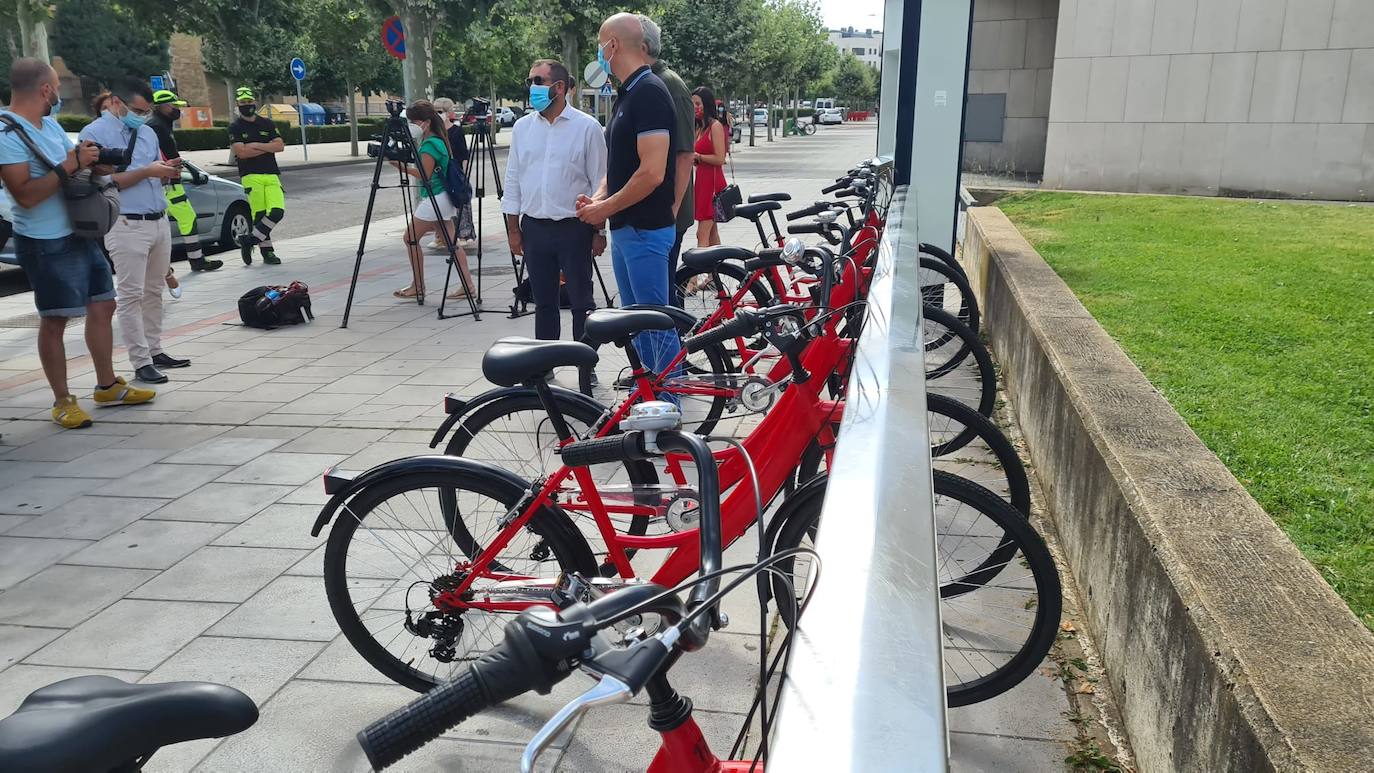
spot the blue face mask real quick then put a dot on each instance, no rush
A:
(56, 106)
(539, 98)
(602, 60)
(133, 121)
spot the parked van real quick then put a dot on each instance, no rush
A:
(825, 103)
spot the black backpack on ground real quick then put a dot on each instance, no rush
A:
(272, 307)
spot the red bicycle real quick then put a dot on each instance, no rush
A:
(435, 551)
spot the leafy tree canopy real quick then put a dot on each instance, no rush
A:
(104, 42)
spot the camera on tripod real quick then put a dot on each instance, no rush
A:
(480, 110)
(393, 145)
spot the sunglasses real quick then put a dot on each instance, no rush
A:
(539, 80)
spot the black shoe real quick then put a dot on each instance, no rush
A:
(150, 375)
(201, 264)
(246, 244)
(270, 258)
(164, 360)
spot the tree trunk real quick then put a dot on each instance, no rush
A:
(796, 105)
(33, 31)
(418, 66)
(749, 116)
(352, 120)
(768, 111)
(568, 36)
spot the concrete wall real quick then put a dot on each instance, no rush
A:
(1226, 649)
(1231, 97)
(1013, 54)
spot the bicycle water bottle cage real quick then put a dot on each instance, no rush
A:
(652, 418)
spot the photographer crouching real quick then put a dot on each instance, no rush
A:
(69, 276)
(434, 212)
(140, 241)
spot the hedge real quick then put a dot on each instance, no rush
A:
(217, 138)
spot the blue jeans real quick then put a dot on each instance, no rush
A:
(640, 261)
(66, 274)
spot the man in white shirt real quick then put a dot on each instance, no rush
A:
(556, 155)
(140, 241)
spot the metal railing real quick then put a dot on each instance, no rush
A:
(865, 689)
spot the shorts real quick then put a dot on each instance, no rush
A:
(424, 208)
(66, 274)
(264, 192)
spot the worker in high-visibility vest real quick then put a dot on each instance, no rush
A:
(255, 142)
(166, 110)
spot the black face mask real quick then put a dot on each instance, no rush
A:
(175, 114)
(247, 111)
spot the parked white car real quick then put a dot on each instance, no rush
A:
(761, 117)
(832, 115)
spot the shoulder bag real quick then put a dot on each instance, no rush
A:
(92, 202)
(729, 197)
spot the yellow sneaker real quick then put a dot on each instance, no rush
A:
(122, 394)
(69, 415)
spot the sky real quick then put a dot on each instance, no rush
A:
(863, 14)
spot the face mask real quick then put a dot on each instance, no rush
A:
(132, 120)
(247, 110)
(416, 132)
(699, 112)
(175, 114)
(55, 106)
(539, 98)
(602, 60)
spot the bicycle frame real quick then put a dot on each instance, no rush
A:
(800, 417)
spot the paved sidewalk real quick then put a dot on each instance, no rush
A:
(171, 541)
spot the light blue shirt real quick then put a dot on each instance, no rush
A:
(145, 196)
(47, 220)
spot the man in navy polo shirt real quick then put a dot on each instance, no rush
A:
(637, 194)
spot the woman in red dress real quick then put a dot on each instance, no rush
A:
(710, 148)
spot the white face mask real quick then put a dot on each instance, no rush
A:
(416, 132)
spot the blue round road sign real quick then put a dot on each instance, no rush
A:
(394, 37)
(298, 69)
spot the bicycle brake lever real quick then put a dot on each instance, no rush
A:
(607, 690)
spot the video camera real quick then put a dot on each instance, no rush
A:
(480, 109)
(392, 145)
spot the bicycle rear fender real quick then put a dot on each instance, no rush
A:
(457, 408)
(342, 486)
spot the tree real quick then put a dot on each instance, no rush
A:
(854, 81)
(11, 47)
(348, 51)
(103, 43)
(709, 42)
(31, 18)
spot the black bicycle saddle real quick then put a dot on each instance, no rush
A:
(515, 360)
(89, 724)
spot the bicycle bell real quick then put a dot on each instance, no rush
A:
(652, 418)
(792, 251)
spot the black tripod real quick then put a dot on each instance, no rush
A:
(481, 156)
(396, 144)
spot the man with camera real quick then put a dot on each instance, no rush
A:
(166, 110)
(69, 276)
(139, 242)
(556, 155)
(256, 143)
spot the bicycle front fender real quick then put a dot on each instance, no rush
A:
(344, 486)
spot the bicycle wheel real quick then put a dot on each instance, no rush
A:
(708, 294)
(809, 128)
(968, 444)
(995, 633)
(702, 387)
(950, 370)
(946, 289)
(938, 253)
(390, 553)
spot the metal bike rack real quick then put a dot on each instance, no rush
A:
(865, 690)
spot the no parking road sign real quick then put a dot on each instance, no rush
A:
(394, 37)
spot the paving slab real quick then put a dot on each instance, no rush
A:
(223, 502)
(87, 517)
(16, 641)
(148, 544)
(118, 462)
(36, 495)
(83, 591)
(283, 468)
(288, 608)
(131, 634)
(165, 480)
(23, 557)
(231, 574)
(278, 526)
(226, 450)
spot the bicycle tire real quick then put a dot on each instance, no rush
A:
(940, 254)
(969, 346)
(761, 290)
(809, 128)
(553, 527)
(803, 516)
(933, 293)
(976, 425)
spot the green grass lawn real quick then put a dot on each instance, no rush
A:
(1256, 321)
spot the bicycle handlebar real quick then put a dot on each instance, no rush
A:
(841, 183)
(814, 209)
(612, 448)
(744, 323)
(815, 228)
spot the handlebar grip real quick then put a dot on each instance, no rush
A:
(422, 720)
(814, 209)
(809, 228)
(612, 448)
(739, 325)
(847, 192)
(837, 186)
